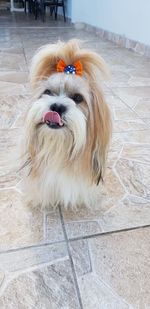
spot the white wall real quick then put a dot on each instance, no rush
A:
(126, 17)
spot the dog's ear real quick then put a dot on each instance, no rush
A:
(99, 125)
(101, 131)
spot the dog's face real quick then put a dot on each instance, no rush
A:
(69, 97)
(68, 123)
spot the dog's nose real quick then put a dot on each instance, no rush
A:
(59, 108)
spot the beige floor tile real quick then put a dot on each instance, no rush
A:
(12, 108)
(14, 77)
(15, 62)
(8, 146)
(53, 226)
(138, 81)
(131, 212)
(14, 50)
(136, 152)
(129, 125)
(136, 136)
(143, 108)
(50, 286)
(135, 177)
(19, 225)
(2, 276)
(119, 273)
(147, 121)
(24, 259)
(96, 294)
(7, 89)
(125, 114)
(133, 96)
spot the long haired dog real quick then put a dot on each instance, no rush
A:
(67, 128)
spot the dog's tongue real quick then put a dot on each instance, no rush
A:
(53, 117)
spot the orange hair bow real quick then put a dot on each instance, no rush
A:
(75, 68)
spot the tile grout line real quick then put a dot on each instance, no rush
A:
(131, 109)
(34, 246)
(22, 43)
(110, 232)
(70, 257)
(74, 239)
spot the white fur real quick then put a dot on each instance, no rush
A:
(53, 188)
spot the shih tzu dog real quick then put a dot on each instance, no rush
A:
(67, 128)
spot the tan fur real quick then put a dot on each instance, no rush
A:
(47, 57)
(63, 152)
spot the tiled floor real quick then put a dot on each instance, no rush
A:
(91, 259)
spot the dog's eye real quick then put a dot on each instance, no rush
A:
(47, 91)
(77, 97)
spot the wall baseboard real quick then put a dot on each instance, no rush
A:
(118, 39)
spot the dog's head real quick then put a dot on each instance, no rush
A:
(68, 123)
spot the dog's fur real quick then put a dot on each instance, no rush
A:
(65, 165)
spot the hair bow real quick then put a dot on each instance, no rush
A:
(75, 68)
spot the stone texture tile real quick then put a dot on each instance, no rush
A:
(118, 78)
(142, 108)
(124, 114)
(95, 294)
(136, 152)
(2, 276)
(20, 225)
(137, 98)
(50, 286)
(124, 117)
(21, 260)
(13, 49)
(53, 227)
(135, 74)
(10, 44)
(9, 141)
(119, 273)
(135, 136)
(82, 227)
(81, 257)
(12, 107)
(132, 211)
(135, 177)
(8, 144)
(147, 120)
(15, 62)
(14, 76)
(129, 125)
(138, 80)
(7, 89)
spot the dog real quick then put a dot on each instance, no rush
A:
(67, 127)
